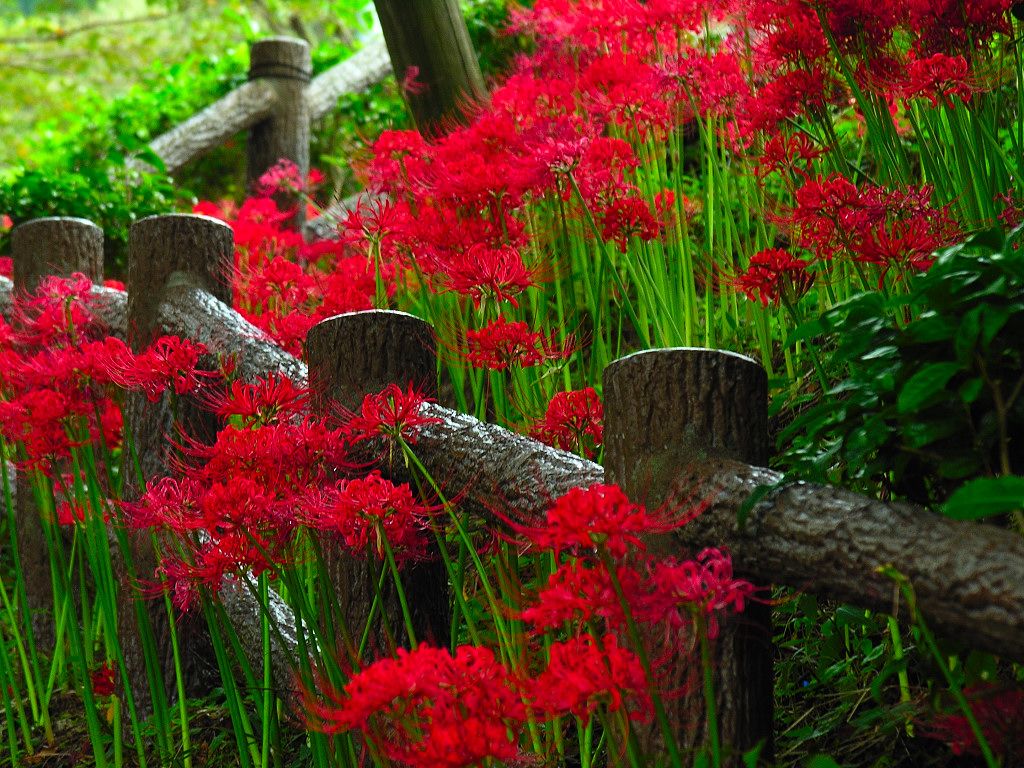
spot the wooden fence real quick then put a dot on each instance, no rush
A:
(276, 107)
(679, 422)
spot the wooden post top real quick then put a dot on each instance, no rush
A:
(280, 57)
(56, 245)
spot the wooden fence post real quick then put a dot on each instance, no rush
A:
(40, 248)
(58, 245)
(663, 410)
(162, 251)
(350, 356)
(285, 63)
(428, 39)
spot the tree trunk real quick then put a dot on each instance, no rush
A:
(433, 59)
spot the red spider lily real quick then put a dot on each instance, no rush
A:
(705, 585)
(574, 421)
(501, 345)
(580, 591)
(169, 362)
(271, 399)
(6, 265)
(363, 511)
(427, 708)
(585, 673)
(284, 176)
(392, 414)
(486, 273)
(73, 512)
(101, 679)
(284, 457)
(57, 313)
(940, 77)
(833, 217)
(999, 714)
(774, 276)
(789, 153)
(598, 516)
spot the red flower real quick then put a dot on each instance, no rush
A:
(573, 422)
(428, 709)
(775, 275)
(585, 673)
(274, 398)
(580, 591)
(501, 345)
(486, 273)
(363, 510)
(169, 362)
(998, 712)
(393, 414)
(284, 176)
(705, 585)
(939, 77)
(101, 680)
(600, 515)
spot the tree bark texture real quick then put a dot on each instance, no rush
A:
(968, 577)
(55, 246)
(40, 248)
(208, 129)
(433, 57)
(364, 68)
(663, 407)
(284, 63)
(350, 356)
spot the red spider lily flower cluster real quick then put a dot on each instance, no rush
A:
(236, 507)
(574, 421)
(238, 504)
(63, 377)
(604, 531)
(281, 283)
(427, 708)
(892, 229)
(393, 414)
(775, 275)
(101, 680)
(366, 511)
(501, 345)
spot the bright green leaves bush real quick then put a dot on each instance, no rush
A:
(928, 392)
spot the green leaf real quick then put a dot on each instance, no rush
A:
(985, 497)
(924, 384)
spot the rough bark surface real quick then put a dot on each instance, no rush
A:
(350, 356)
(663, 408)
(428, 41)
(40, 248)
(164, 251)
(366, 67)
(284, 63)
(968, 577)
(189, 310)
(55, 246)
(208, 129)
